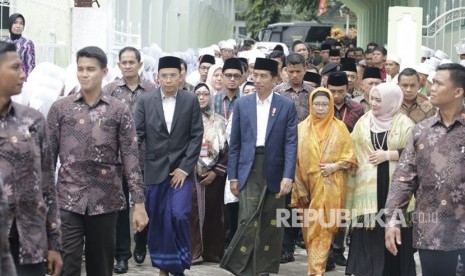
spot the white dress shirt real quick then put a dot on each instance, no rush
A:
(169, 103)
(263, 111)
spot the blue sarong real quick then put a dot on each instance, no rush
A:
(169, 234)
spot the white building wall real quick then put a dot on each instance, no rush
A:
(48, 25)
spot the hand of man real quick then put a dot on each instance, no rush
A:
(286, 187)
(377, 157)
(392, 238)
(178, 178)
(327, 168)
(54, 263)
(208, 178)
(139, 217)
(234, 186)
(304, 202)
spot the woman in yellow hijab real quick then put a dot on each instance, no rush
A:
(325, 154)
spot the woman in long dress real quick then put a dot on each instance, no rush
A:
(207, 220)
(379, 137)
(325, 153)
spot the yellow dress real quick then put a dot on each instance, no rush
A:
(331, 144)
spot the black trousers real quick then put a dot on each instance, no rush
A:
(99, 235)
(123, 231)
(290, 233)
(26, 269)
(436, 262)
(232, 214)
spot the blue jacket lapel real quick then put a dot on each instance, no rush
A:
(252, 114)
(275, 107)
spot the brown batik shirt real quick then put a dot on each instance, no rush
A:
(89, 141)
(121, 91)
(28, 182)
(432, 167)
(419, 110)
(300, 98)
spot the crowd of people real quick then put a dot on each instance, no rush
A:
(207, 156)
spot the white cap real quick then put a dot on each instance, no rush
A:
(232, 41)
(462, 62)
(425, 52)
(227, 45)
(460, 47)
(215, 47)
(394, 58)
(433, 61)
(206, 51)
(425, 68)
(431, 76)
(441, 55)
(445, 61)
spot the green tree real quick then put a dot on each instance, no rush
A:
(306, 10)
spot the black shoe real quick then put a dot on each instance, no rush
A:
(330, 266)
(139, 255)
(300, 244)
(287, 257)
(121, 267)
(339, 259)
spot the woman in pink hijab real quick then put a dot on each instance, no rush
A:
(379, 137)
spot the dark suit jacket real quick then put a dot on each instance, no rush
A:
(280, 141)
(166, 151)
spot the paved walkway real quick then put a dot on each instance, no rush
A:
(297, 268)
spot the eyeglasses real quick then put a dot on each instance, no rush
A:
(320, 105)
(202, 93)
(235, 76)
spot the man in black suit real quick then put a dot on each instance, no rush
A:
(170, 122)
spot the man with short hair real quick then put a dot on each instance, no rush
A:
(93, 134)
(371, 78)
(261, 169)
(324, 53)
(183, 84)
(345, 109)
(415, 105)
(431, 168)
(30, 219)
(359, 54)
(392, 68)
(294, 88)
(128, 89)
(232, 74)
(169, 121)
(300, 48)
(297, 91)
(368, 58)
(379, 54)
(280, 58)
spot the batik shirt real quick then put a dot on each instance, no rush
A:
(223, 105)
(420, 110)
(89, 141)
(349, 113)
(121, 91)
(28, 182)
(431, 167)
(26, 52)
(300, 98)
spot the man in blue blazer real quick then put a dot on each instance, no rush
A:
(261, 168)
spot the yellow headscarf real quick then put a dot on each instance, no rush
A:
(321, 126)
